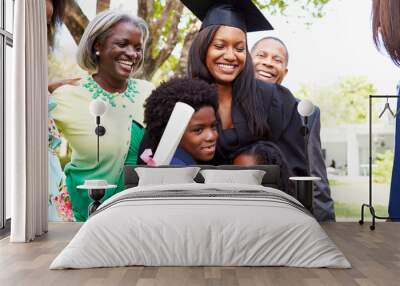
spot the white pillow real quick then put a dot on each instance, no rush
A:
(165, 176)
(248, 177)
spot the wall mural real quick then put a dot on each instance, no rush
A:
(180, 84)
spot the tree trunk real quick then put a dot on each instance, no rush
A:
(102, 5)
(75, 20)
(181, 69)
(171, 15)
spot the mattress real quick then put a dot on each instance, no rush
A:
(201, 225)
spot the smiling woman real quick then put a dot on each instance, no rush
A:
(118, 52)
(226, 55)
(249, 110)
(111, 50)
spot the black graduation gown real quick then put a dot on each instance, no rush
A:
(280, 108)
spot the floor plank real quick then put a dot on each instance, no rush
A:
(374, 255)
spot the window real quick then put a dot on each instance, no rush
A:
(6, 45)
(9, 15)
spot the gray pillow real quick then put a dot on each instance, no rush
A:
(164, 176)
(248, 177)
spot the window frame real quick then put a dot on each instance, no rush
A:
(6, 40)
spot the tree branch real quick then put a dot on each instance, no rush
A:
(142, 9)
(173, 36)
(75, 20)
(160, 22)
(102, 5)
(155, 55)
(181, 68)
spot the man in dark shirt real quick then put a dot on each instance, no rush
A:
(270, 58)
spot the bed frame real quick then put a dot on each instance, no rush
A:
(272, 178)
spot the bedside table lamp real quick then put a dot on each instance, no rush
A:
(96, 189)
(306, 108)
(97, 108)
(304, 188)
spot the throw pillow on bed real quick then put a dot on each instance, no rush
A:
(248, 177)
(163, 176)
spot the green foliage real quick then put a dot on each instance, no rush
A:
(313, 8)
(335, 183)
(165, 72)
(345, 102)
(382, 169)
(158, 8)
(351, 210)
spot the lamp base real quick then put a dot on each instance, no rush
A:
(305, 194)
(304, 190)
(96, 195)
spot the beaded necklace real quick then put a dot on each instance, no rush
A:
(97, 91)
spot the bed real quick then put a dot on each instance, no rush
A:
(201, 224)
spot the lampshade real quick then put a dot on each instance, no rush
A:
(97, 107)
(305, 108)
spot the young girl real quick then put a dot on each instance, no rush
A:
(198, 143)
(265, 153)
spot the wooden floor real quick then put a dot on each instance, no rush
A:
(374, 255)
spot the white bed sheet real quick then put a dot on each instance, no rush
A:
(190, 231)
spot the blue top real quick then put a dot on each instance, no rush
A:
(394, 198)
(181, 157)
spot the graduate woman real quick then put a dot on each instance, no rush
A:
(249, 110)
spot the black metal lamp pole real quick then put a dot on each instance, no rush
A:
(306, 133)
(100, 131)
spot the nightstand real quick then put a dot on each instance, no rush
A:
(304, 190)
(96, 190)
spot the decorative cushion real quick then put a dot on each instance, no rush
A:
(163, 176)
(248, 177)
(271, 178)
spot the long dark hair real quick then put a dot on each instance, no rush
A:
(56, 20)
(244, 86)
(386, 27)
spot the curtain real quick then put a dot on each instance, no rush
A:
(26, 123)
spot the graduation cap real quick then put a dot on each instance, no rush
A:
(242, 14)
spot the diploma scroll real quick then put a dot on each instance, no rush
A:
(176, 126)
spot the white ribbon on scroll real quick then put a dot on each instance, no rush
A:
(176, 126)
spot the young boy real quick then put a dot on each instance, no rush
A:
(198, 143)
